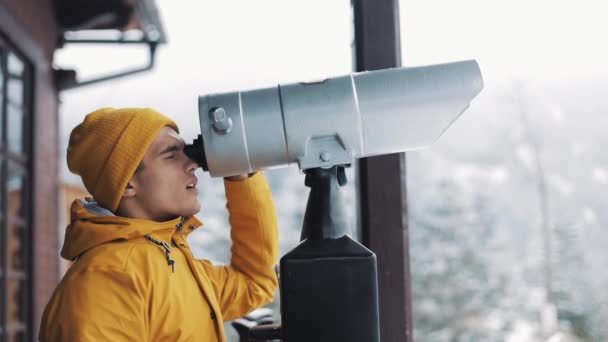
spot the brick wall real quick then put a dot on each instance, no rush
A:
(31, 27)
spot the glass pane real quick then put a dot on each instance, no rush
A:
(15, 129)
(2, 242)
(14, 190)
(15, 65)
(15, 187)
(16, 336)
(1, 199)
(2, 77)
(14, 248)
(15, 297)
(15, 91)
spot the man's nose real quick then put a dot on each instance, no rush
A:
(191, 165)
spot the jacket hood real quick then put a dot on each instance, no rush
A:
(91, 225)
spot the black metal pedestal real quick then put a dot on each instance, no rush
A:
(329, 290)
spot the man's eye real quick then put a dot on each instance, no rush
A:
(170, 157)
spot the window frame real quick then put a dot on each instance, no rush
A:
(23, 221)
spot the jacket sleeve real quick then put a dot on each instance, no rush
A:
(83, 310)
(250, 280)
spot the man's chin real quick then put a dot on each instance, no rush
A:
(192, 210)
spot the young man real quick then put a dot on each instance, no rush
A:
(134, 277)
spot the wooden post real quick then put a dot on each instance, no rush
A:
(382, 179)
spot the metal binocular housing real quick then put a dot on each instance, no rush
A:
(332, 121)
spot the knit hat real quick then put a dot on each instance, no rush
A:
(106, 148)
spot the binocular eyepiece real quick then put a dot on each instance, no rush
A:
(334, 121)
(196, 152)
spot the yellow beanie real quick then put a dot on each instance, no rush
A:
(106, 148)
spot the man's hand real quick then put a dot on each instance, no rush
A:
(240, 177)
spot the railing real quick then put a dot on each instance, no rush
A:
(258, 326)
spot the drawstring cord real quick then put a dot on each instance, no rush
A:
(166, 246)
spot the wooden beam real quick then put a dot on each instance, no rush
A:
(382, 179)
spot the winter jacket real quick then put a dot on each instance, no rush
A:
(137, 280)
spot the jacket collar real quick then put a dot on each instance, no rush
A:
(92, 225)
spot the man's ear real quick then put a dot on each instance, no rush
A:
(130, 190)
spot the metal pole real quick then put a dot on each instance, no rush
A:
(382, 179)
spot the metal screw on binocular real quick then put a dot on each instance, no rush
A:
(328, 283)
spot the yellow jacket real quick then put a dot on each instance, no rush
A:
(122, 286)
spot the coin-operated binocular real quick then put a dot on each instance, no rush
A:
(329, 282)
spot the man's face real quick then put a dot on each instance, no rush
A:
(166, 185)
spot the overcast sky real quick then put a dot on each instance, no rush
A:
(221, 45)
(530, 39)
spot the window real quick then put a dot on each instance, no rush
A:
(15, 196)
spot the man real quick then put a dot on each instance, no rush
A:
(134, 277)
